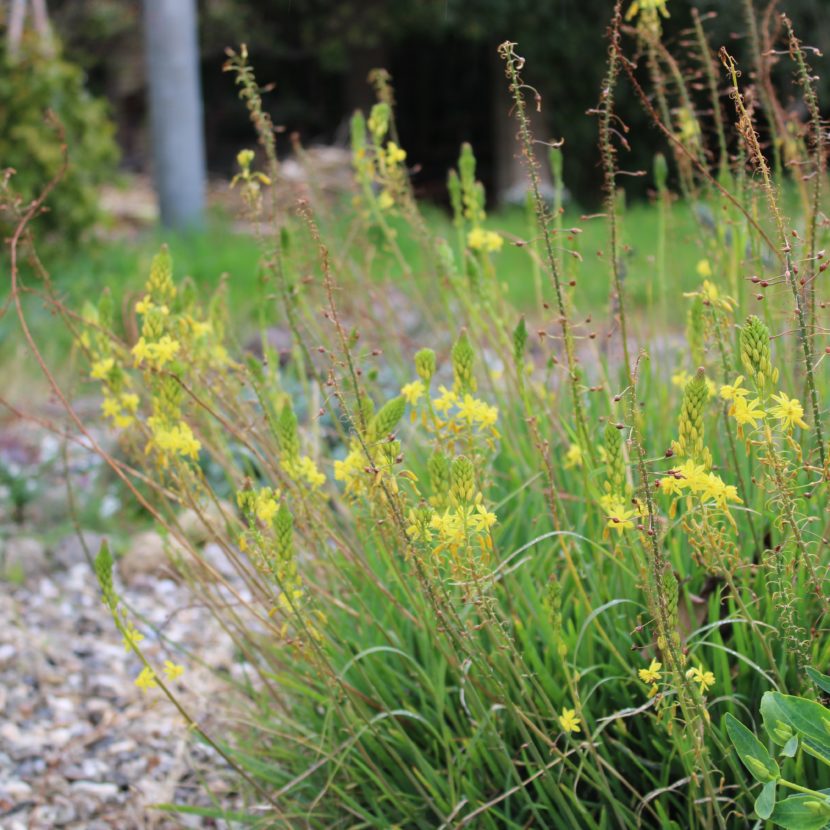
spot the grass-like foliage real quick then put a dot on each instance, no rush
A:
(493, 572)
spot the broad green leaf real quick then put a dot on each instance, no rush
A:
(802, 812)
(765, 803)
(752, 752)
(778, 727)
(806, 717)
(821, 680)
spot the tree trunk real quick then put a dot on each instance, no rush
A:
(170, 28)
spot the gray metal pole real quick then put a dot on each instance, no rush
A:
(172, 51)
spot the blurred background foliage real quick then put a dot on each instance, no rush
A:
(317, 54)
(35, 82)
(442, 56)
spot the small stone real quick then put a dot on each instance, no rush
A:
(196, 525)
(15, 790)
(7, 654)
(148, 555)
(23, 558)
(100, 790)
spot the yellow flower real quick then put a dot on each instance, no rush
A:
(156, 354)
(385, 200)
(671, 486)
(446, 401)
(102, 368)
(165, 350)
(394, 154)
(735, 390)
(146, 680)
(715, 488)
(482, 519)
(692, 476)
(266, 505)
(652, 673)
(413, 391)
(569, 721)
(173, 670)
(573, 457)
(705, 678)
(178, 439)
(746, 412)
(620, 519)
(704, 269)
(481, 240)
(789, 411)
(132, 637)
(307, 470)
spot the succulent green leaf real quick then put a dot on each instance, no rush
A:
(765, 803)
(802, 812)
(752, 752)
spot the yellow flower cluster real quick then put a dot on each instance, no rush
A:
(456, 528)
(147, 678)
(707, 486)
(155, 355)
(787, 411)
(352, 471)
(121, 408)
(460, 412)
(489, 242)
(304, 469)
(172, 440)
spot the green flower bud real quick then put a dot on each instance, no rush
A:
(287, 435)
(438, 468)
(690, 424)
(387, 418)
(425, 364)
(284, 533)
(379, 119)
(614, 460)
(160, 285)
(462, 480)
(454, 189)
(462, 364)
(755, 353)
(102, 566)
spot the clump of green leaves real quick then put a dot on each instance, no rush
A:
(34, 84)
(795, 725)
